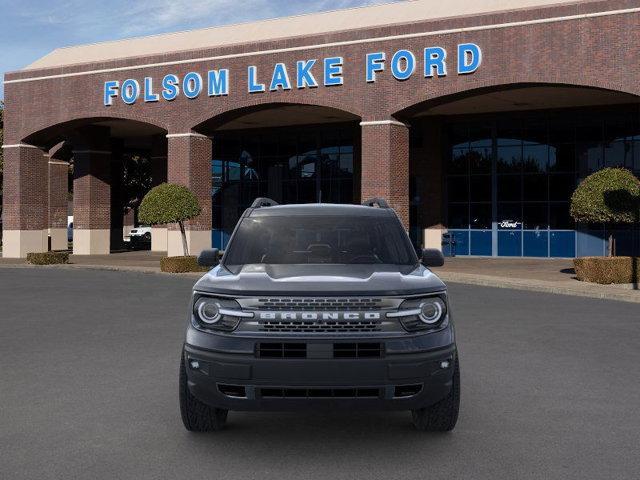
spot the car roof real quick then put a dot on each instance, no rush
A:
(329, 209)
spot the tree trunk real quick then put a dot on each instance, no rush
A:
(185, 247)
(610, 252)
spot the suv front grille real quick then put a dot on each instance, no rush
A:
(282, 350)
(327, 304)
(304, 350)
(357, 350)
(339, 392)
(319, 326)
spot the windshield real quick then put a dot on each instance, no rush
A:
(319, 239)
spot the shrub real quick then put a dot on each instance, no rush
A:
(169, 203)
(48, 258)
(181, 264)
(606, 270)
(611, 195)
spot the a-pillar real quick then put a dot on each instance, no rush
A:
(189, 164)
(92, 192)
(158, 176)
(25, 212)
(58, 192)
(385, 164)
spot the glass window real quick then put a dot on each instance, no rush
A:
(618, 154)
(510, 216)
(562, 158)
(535, 216)
(509, 159)
(534, 188)
(535, 158)
(561, 187)
(458, 215)
(319, 239)
(559, 218)
(458, 189)
(459, 161)
(509, 188)
(481, 188)
(480, 216)
(480, 159)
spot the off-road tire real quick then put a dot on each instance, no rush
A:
(443, 415)
(198, 416)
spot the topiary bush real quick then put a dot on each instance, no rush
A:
(611, 195)
(170, 203)
(48, 258)
(607, 270)
(181, 264)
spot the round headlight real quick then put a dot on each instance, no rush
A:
(208, 311)
(431, 311)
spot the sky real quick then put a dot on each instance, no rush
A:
(29, 29)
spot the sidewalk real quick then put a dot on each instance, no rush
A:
(538, 275)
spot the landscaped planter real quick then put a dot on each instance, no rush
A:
(181, 264)
(48, 258)
(606, 270)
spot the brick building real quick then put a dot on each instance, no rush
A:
(475, 119)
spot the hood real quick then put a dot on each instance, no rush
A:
(261, 279)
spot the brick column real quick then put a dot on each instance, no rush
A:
(189, 164)
(385, 164)
(58, 191)
(92, 192)
(158, 175)
(25, 211)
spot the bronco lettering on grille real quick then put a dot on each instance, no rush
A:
(319, 316)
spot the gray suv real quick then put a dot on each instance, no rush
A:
(319, 306)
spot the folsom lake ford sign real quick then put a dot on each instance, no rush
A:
(308, 73)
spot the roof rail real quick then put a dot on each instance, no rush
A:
(263, 202)
(376, 201)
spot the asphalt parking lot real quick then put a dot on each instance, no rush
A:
(88, 390)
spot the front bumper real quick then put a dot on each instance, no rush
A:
(226, 372)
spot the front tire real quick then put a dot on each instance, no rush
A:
(443, 415)
(196, 415)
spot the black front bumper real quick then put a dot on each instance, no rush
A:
(411, 372)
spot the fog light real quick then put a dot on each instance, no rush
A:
(444, 364)
(194, 364)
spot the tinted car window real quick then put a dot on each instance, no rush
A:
(319, 239)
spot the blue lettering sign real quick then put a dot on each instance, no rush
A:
(333, 71)
(218, 81)
(170, 87)
(192, 85)
(149, 96)
(254, 87)
(304, 77)
(434, 59)
(375, 63)
(469, 58)
(110, 92)
(280, 78)
(130, 91)
(403, 64)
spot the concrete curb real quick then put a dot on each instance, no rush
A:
(574, 288)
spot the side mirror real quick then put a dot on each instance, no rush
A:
(209, 258)
(432, 257)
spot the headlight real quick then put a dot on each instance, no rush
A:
(212, 313)
(426, 313)
(431, 311)
(208, 310)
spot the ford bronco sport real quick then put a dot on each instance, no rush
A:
(315, 306)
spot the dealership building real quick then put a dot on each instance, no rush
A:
(474, 119)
